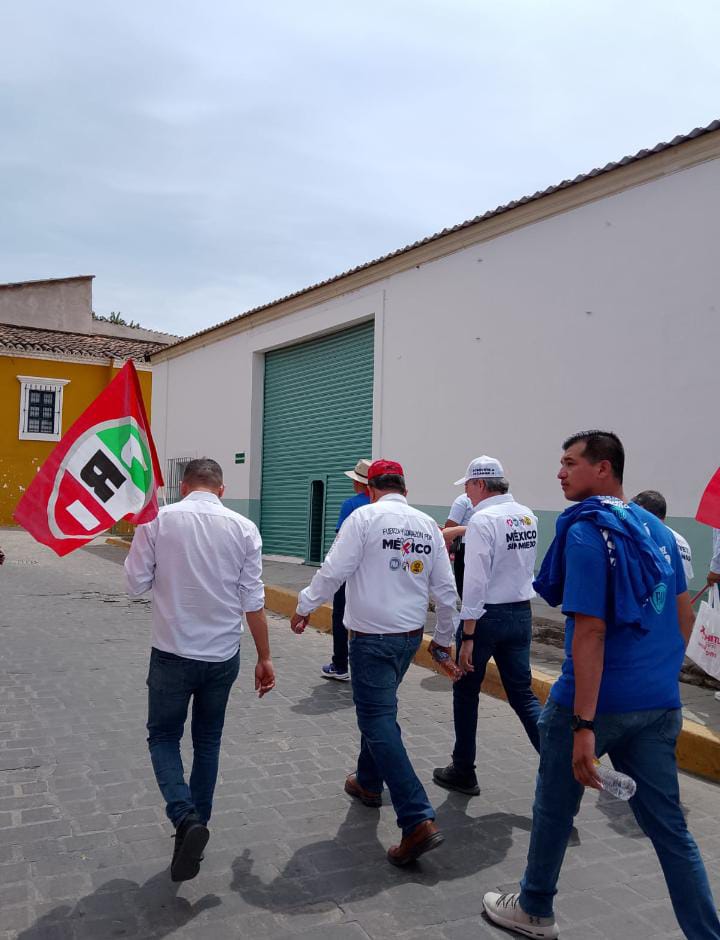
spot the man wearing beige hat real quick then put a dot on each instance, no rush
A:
(337, 668)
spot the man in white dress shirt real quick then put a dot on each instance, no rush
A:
(203, 564)
(500, 550)
(655, 502)
(714, 572)
(392, 557)
(459, 515)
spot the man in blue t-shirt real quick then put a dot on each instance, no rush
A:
(617, 572)
(337, 668)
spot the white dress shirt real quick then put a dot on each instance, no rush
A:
(204, 565)
(393, 558)
(499, 555)
(462, 511)
(715, 560)
(685, 554)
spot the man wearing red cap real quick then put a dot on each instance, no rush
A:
(392, 558)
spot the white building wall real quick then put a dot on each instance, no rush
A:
(604, 316)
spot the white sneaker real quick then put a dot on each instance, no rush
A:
(505, 910)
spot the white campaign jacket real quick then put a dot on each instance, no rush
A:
(393, 557)
(500, 550)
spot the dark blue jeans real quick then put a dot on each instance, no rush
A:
(340, 639)
(503, 633)
(378, 664)
(642, 745)
(172, 681)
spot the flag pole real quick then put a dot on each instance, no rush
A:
(699, 593)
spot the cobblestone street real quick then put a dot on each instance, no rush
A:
(85, 845)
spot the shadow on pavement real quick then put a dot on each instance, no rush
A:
(436, 683)
(352, 866)
(329, 696)
(122, 907)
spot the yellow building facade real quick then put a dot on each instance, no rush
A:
(41, 397)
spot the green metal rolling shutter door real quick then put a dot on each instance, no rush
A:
(317, 422)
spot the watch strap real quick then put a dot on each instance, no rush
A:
(468, 636)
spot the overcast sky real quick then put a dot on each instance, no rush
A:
(203, 158)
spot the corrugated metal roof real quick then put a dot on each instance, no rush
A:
(30, 339)
(507, 207)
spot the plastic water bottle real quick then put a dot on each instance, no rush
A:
(615, 783)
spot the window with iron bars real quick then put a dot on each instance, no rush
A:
(40, 408)
(173, 477)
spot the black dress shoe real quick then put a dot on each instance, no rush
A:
(453, 779)
(191, 837)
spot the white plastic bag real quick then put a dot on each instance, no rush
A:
(704, 645)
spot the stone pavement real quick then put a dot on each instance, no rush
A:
(84, 845)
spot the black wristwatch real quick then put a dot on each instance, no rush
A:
(467, 636)
(578, 724)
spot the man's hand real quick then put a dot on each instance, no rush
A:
(451, 532)
(713, 577)
(466, 654)
(264, 677)
(298, 623)
(445, 662)
(583, 760)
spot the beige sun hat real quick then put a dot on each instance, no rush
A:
(360, 473)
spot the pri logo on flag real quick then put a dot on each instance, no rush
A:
(106, 475)
(104, 469)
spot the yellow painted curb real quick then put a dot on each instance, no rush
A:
(121, 543)
(698, 749)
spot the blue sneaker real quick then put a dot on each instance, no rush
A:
(330, 672)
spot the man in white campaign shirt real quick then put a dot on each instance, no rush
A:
(203, 564)
(393, 558)
(655, 503)
(500, 551)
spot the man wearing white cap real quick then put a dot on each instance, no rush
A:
(500, 550)
(337, 668)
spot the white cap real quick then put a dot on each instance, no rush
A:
(481, 468)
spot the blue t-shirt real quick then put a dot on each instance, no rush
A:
(642, 666)
(349, 506)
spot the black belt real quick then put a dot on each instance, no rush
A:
(355, 635)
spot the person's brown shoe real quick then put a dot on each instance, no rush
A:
(424, 837)
(360, 793)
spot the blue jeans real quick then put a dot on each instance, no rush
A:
(171, 681)
(377, 665)
(340, 640)
(642, 745)
(503, 632)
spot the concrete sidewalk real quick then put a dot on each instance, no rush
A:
(84, 845)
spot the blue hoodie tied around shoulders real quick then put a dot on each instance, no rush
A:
(639, 566)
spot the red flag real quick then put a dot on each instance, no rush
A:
(709, 508)
(105, 468)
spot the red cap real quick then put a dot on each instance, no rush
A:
(380, 467)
